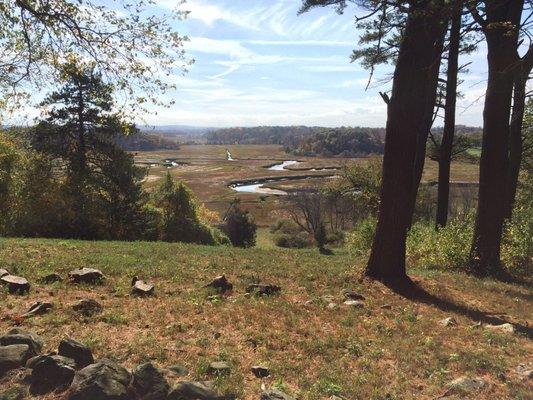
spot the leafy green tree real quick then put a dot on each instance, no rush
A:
(239, 226)
(131, 43)
(179, 214)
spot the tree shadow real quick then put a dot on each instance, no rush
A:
(413, 291)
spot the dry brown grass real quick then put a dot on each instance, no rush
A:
(313, 351)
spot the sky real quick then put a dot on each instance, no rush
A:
(257, 62)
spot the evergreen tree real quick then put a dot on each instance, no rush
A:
(101, 184)
(240, 227)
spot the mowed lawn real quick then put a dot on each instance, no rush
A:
(392, 348)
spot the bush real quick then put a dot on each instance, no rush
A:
(298, 240)
(240, 227)
(180, 221)
(360, 239)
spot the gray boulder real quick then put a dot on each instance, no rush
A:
(221, 284)
(141, 289)
(350, 294)
(87, 307)
(51, 278)
(89, 276)
(13, 356)
(3, 272)
(465, 384)
(51, 373)
(275, 394)
(149, 383)
(263, 290)
(260, 371)
(77, 351)
(38, 308)
(219, 368)
(19, 336)
(15, 284)
(193, 390)
(104, 380)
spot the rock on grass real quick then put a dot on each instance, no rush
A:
(15, 284)
(104, 380)
(77, 351)
(89, 276)
(13, 356)
(193, 390)
(19, 336)
(51, 373)
(149, 383)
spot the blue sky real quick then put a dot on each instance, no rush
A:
(258, 63)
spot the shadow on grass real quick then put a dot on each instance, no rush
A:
(413, 291)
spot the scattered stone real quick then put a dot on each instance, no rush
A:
(508, 328)
(104, 380)
(465, 384)
(86, 275)
(260, 371)
(4, 272)
(51, 278)
(149, 383)
(350, 294)
(386, 307)
(88, 307)
(219, 368)
(355, 303)
(77, 351)
(179, 370)
(450, 321)
(38, 308)
(19, 336)
(275, 394)
(141, 288)
(263, 290)
(13, 356)
(51, 373)
(332, 306)
(525, 371)
(221, 284)
(34, 360)
(15, 284)
(328, 298)
(193, 390)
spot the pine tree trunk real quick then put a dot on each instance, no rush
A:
(515, 132)
(446, 146)
(413, 92)
(501, 44)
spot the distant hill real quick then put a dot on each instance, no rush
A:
(145, 142)
(176, 130)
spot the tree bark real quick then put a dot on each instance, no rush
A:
(446, 145)
(515, 131)
(413, 92)
(501, 31)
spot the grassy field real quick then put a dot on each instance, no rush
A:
(395, 352)
(208, 172)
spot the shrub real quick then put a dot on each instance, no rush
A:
(298, 240)
(360, 239)
(240, 227)
(179, 220)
